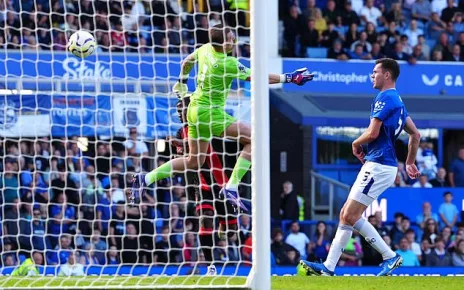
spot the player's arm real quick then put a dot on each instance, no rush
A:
(299, 77)
(180, 87)
(413, 145)
(371, 133)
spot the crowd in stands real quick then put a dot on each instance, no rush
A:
(410, 30)
(161, 26)
(432, 175)
(430, 239)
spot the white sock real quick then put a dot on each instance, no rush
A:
(339, 243)
(373, 238)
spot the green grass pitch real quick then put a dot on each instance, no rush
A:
(278, 283)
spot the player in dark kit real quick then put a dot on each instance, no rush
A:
(206, 185)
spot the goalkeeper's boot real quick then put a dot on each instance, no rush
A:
(138, 188)
(211, 271)
(315, 269)
(389, 265)
(233, 197)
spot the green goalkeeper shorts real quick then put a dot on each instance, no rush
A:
(206, 122)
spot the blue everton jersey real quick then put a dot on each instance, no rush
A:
(389, 108)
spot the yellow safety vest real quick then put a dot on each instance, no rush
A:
(238, 4)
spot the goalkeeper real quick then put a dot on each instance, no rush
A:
(206, 116)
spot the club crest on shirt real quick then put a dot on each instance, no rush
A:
(378, 106)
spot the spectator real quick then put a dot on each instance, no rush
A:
(430, 232)
(423, 182)
(452, 33)
(99, 246)
(134, 146)
(456, 174)
(371, 256)
(309, 37)
(359, 53)
(103, 212)
(448, 13)
(458, 255)
(351, 35)
(406, 46)
(398, 53)
(234, 249)
(113, 257)
(448, 211)
(331, 13)
(89, 256)
(337, 51)
(220, 252)
(162, 254)
(456, 53)
(33, 234)
(395, 14)
(425, 47)
(370, 13)
(61, 252)
(191, 246)
(63, 217)
(371, 33)
(349, 16)
(421, 10)
(244, 228)
(446, 237)
(9, 183)
(117, 227)
(417, 53)
(435, 26)
(293, 24)
(443, 46)
(289, 202)
(330, 35)
(280, 249)
(10, 221)
(130, 246)
(366, 46)
(72, 267)
(409, 257)
(29, 266)
(298, 240)
(437, 55)
(413, 33)
(310, 10)
(385, 49)
(438, 257)
(247, 249)
(458, 23)
(426, 214)
(321, 243)
(440, 179)
(397, 227)
(410, 235)
(320, 24)
(399, 234)
(352, 253)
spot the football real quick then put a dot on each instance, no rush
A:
(82, 44)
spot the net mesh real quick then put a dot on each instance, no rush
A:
(74, 132)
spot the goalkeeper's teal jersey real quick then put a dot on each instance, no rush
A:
(216, 73)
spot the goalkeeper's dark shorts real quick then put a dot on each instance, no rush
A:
(210, 200)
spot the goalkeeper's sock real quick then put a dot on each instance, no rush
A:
(206, 243)
(371, 235)
(164, 171)
(241, 168)
(339, 243)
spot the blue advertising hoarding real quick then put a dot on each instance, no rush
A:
(243, 270)
(353, 77)
(409, 201)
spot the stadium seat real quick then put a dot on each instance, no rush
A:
(316, 52)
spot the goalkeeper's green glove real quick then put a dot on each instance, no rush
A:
(180, 89)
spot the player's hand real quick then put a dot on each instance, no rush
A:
(299, 77)
(180, 89)
(412, 171)
(358, 152)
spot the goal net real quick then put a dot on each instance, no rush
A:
(74, 132)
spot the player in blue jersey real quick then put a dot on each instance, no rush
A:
(388, 118)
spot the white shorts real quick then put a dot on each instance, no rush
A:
(373, 179)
